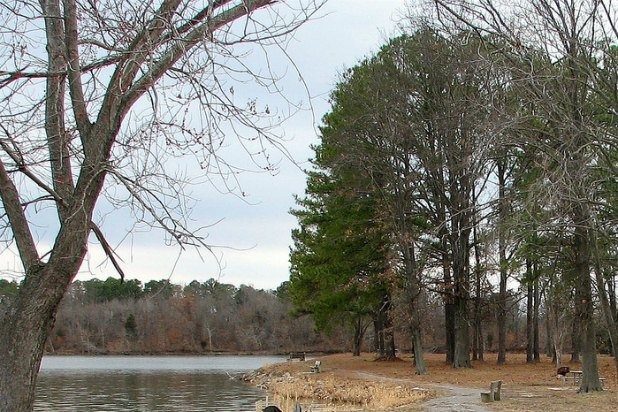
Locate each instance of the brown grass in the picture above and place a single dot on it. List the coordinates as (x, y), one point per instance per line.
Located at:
(366, 384)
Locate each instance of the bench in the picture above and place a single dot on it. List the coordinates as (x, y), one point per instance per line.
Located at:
(494, 392)
(317, 368)
(296, 356)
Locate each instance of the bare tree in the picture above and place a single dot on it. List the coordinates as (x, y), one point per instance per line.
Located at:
(562, 42)
(118, 88)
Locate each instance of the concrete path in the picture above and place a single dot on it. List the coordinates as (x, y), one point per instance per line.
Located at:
(455, 399)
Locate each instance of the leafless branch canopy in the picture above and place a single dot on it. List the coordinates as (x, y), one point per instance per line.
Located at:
(91, 89)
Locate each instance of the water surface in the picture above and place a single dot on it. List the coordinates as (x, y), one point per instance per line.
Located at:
(147, 383)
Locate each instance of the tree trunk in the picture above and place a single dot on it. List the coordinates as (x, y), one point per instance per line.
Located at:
(461, 356)
(529, 313)
(24, 333)
(26, 326)
(584, 305)
(378, 327)
(390, 351)
(575, 340)
(611, 320)
(388, 336)
(449, 309)
(358, 337)
(477, 334)
(611, 291)
(558, 353)
(501, 330)
(449, 319)
(419, 360)
(537, 304)
(502, 317)
(503, 261)
(413, 293)
(477, 341)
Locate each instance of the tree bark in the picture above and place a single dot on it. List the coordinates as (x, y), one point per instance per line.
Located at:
(419, 360)
(503, 261)
(529, 313)
(449, 308)
(26, 327)
(611, 291)
(22, 340)
(413, 293)
(378, 342)
(477, 341)
(460, 243)
(549, 348)
(575, 340)
(584, 305)
(537, 304)
(358, 336)
(461, 357)
(611, 320)
(388, 337)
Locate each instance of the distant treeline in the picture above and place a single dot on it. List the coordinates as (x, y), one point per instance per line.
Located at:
(114, 317)
(111, 316)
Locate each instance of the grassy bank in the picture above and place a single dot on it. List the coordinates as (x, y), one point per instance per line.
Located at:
(362, 383)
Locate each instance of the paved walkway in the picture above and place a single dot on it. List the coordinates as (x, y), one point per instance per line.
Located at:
(456, 399)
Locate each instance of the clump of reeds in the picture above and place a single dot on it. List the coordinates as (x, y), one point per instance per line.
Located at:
(329, 390)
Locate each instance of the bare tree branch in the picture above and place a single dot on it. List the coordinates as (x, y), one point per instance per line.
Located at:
(74, 71)
(55, 104)
(19, 223)
(109, 251)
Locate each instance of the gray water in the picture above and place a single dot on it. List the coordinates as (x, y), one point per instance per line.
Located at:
(147, 383)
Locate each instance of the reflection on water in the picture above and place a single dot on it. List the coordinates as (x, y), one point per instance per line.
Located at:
(146, 384)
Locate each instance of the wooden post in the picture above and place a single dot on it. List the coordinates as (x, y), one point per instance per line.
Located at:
(494, 390)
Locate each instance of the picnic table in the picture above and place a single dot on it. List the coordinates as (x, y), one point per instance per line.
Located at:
(296, 356)
(576, 377)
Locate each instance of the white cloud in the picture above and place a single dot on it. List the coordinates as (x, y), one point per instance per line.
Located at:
(263, 267)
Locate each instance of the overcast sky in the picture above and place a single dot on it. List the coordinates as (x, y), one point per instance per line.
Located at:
(254, 232)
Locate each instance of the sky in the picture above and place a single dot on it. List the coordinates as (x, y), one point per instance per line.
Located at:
(252, 235)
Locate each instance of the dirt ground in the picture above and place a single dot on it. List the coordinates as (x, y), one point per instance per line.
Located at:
(364, 383)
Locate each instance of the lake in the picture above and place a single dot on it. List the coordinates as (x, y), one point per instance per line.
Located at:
(147, 383)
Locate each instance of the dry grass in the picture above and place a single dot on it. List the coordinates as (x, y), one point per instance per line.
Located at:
(366, 384)
(353, 393)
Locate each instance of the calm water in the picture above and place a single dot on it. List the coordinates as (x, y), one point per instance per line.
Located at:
(147, 383)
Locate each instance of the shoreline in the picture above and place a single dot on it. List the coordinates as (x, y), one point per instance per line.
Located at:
(214, 353)
(364, 383)
(335, 387)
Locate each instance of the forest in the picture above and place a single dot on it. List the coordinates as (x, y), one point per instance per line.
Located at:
(115, 317)
(469, 168)
(159, 317)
